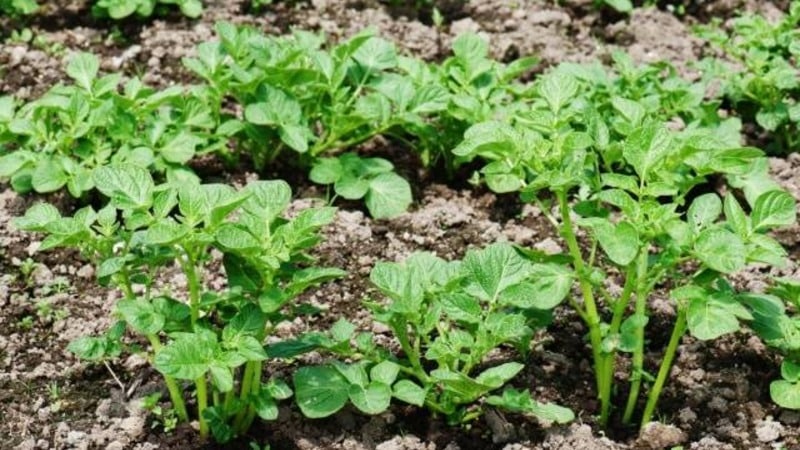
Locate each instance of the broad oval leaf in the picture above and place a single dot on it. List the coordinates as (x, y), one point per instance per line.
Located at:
(320, 391)
(371, 399)
(773, 209)
(721, 250)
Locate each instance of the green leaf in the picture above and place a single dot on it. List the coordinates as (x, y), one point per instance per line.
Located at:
(295, 136)
(720, 250)
(326, 171)
(550, 286)
(773, 209)
(265, 405)
(409, 392)
(186, 358)
(704, 211)
(385, 372)
(48, 176)
(619, 241)
(496, 377)
(785, 393)
(647, 147)
(623, 6)
(558, 90)
(389, 195)
(376, 54)
(141, 316)
(128, 188)
(236, 237)
(493, 269)
(521, 401)
(790, 371)
(222, 377)
(320, 391)
(709, 319)
(371, 399)
(735, 216)
(37, 217)
(268, 199)
(11, 163)
(83, 68)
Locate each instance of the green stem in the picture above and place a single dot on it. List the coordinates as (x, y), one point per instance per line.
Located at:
(592, 317)
(401, 332)
(202, 404)
(244, 392)
(616, 322)
(194, 285)
(251, 410)
(666, 365)
(638, 353)
(172, 385)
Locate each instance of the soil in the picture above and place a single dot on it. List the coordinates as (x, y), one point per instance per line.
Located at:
(717, 397)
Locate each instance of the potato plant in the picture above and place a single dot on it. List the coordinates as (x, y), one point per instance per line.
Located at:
(447, 317)
(59, 139)
(16, 8)
(765, 89)
(636, 200)
(210, 338)
(120, 9)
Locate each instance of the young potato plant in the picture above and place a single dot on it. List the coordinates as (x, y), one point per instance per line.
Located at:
(120, 9)
(450, 319)
(386, 193)
(298, 95)
(479, 89)
(636, 199)
(627, 93)
(18, 7)
(766, 90)
(61, 138)
(777, 323)
(211, 338)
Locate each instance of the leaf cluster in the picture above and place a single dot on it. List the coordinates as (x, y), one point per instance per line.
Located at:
(210, 336)
(448, 317)
(59, 139)
(763, 85)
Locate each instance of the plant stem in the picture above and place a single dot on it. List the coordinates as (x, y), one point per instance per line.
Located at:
(638, 353)
(247, 380)
(666, 365)
(202, 404)
(616, 321)
(175, 394)
(251, 410)
(193, 283)
(592, 319)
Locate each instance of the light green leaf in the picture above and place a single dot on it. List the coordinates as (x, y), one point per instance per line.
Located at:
(326, 171)
(128, 188)
(376, 54)
(773, 209)
(409, 392)
(704, 211)
(389, 195)
(385, 372)
(371, 399)
(785, 393)
(496, 377)
(735, 216)
(141, 315)
(720, 250)
(320, 391)
(494, 268)
(83, 68)
(709, 319)
(558, 90)
(185, 358)
(48, 176)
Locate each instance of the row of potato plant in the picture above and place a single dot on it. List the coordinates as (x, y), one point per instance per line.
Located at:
(114, 9)
(630, 185)
(452, 313)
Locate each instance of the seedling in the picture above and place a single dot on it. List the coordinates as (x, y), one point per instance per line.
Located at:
(766, 91)
(447, 318)
(386, 193)
(634, 197)
(210, 338)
